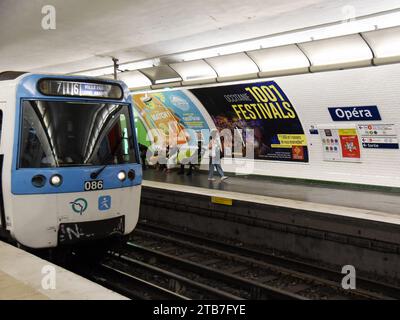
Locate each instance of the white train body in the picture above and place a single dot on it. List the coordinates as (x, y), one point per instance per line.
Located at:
(48, 196)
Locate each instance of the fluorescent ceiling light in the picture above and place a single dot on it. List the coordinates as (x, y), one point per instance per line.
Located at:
(135, 79)
(233, 65)
(161, 74)
(385, 44)
(358, 25)
(198, 54)
(285, 59)
(194, 70)
(386, 21)
(341, 29)
(239, 47)
(161, 81)
(336, 30)
(318, 33)
(335, 53)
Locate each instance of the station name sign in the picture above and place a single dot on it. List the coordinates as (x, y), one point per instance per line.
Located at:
(58, 87)
(359, 113)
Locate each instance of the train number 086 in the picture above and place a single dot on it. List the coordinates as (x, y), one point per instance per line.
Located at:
(93, 185)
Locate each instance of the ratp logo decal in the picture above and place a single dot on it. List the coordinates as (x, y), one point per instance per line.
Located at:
(104, 203)
(79, 205)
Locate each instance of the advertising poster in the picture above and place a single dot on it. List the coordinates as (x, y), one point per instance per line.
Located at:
(168, 111)
(140, 131)
(378, 136)
(349, 143)
(263, 107)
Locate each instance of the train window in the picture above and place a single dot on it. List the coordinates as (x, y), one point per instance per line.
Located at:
(64, 134)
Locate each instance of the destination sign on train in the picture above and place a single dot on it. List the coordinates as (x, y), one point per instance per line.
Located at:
(54, 87)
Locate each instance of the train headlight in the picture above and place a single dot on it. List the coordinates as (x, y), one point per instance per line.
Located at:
(39, 180)
(56, 180)
(121, 175)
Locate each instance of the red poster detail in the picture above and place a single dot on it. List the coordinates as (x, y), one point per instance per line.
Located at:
(297, 153)
(350, 146)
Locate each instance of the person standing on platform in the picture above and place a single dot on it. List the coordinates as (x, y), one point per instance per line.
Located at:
(215, 148)
(187, 157)
(143, 153)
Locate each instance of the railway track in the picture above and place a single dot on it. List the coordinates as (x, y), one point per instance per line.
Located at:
(167, 264)
(244, 273)
(211, 283)
(131, 286)
(176, 285)
(378, 289)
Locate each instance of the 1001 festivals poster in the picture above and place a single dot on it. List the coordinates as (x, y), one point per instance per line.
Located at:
(263, 107)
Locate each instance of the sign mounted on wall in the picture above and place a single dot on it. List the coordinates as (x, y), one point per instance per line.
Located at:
(361, 113)
(349, 144)
(378, 136)
(340, 144)
(330, 144)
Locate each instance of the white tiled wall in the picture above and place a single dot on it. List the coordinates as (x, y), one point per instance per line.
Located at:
(312, 94)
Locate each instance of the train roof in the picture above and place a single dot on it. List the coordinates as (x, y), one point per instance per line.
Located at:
(10, 75)
(13, 75)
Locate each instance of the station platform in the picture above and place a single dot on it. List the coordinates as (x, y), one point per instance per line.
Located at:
(22, 274)
(371, 203)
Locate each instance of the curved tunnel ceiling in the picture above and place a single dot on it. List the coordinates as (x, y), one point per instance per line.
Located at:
(89, 32)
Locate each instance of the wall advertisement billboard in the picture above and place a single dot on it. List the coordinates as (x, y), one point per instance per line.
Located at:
(262, 107)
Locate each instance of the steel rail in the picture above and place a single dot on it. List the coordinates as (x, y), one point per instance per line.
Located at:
(366, 287)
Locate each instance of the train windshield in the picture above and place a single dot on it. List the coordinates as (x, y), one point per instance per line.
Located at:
(65, 134)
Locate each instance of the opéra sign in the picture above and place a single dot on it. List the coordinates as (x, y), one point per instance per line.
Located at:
(361, 113)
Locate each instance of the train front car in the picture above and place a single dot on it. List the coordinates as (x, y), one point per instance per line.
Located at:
(71, 172)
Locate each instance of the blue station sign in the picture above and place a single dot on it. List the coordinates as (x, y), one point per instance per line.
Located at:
(359, 113)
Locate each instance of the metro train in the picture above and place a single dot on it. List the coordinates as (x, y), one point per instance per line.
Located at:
(69, 160)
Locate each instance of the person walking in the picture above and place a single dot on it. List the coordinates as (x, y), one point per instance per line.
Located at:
(143, 153)
(185, 156)
(215, 148)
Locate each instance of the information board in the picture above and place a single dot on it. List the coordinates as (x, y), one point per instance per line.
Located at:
(340, 144)
(378, 136)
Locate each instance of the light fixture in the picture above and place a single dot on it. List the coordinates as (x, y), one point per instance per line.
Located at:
(135, 79)
(56, 180)
(232, 66)
(280, 60)
(121, 175)
(385, 44)
(194, 71)
(161, 74)
(158, 70)
(198, 54)
(161, 81)
(337, 53)
(385, 21)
